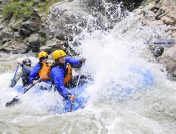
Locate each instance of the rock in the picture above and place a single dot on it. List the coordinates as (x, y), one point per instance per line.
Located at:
(16, 25)
(159, 14)
(13, 47)
(168, 59)
(156, 50)
(33, 43)
(25, 32)
(16, 35)
(61, 37)
(65, 19)
(48, 49)
(53, 45)
(70, 18)
(4, 1)
(7, 33)
(30, 26)
(168, 20)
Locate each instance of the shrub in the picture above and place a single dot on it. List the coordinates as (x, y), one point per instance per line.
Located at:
(17, 9)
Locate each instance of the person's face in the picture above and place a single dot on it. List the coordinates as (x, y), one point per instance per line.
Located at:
(61, 60)
(44, 59)
(29, 65)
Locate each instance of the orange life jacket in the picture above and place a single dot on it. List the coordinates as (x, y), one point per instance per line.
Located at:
(44, 72)
(68, 76)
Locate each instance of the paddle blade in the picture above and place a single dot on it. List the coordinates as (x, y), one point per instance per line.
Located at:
(13, 102)
(13, 83)
(79, 103)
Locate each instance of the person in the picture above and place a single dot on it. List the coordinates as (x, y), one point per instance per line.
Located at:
(41, 70)
(61, 72)
(24, 74)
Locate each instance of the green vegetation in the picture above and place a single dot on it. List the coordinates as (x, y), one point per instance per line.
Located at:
(19, 9)
(46, 5)
(42, 39)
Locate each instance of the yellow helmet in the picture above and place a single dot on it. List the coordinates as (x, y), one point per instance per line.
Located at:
(42, 54)
(58, 53)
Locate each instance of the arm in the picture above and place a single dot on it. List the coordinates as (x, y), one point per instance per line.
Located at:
(34, 72)
(27, 69)
(57, 76)
(76, 63)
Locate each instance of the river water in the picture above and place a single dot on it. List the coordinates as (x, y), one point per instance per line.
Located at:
(151, 109)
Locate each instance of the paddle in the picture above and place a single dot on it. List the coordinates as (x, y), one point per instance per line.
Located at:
(13, 82)
(15, 100)
(72, 102)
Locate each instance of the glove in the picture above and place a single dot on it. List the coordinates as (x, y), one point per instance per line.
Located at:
(13, 83)
(35, 82)
(82, 60)
(72, 98)
(19, 63)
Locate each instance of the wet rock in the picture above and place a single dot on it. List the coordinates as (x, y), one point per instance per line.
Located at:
(30, 26)
(7, 33)
(48, 49)
(67, 18)
(53, 45)
(16, 35)
(168, 59)
(16, 25)
(24, 32)
(33, 43)
(157, 51)
(4, 1)
(13, 47)
(168, 20)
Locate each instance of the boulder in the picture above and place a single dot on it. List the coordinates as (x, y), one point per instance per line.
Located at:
(53, 45)
(7, 33)
(168, 59)
(33, 43)
(16, 25)
(168, 20)
(13, 47)
(67, 18)
(30, 26)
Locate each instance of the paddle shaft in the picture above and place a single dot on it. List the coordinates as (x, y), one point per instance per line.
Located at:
(15, 72)
(13, 100)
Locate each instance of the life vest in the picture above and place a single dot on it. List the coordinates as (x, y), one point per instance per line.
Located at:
(44, 73)
(68, 76)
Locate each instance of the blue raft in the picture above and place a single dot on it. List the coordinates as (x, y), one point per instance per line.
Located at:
(69, 106)
(81, 99)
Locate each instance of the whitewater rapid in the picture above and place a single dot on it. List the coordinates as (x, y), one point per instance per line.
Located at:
(110, 55)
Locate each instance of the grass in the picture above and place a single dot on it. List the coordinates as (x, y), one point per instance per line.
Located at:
(46, 5)
(42, 39)
(19, 9)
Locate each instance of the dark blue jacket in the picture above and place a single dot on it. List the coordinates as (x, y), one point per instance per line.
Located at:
(58, 72)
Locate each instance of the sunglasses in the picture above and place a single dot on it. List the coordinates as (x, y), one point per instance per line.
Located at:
(44, 58)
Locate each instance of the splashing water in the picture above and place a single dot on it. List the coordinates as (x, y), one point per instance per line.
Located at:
(112, 57)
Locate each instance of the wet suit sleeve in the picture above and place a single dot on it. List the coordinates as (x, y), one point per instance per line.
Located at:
(34, 72)
(27, 69)
(76, 63)
(57, 76)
